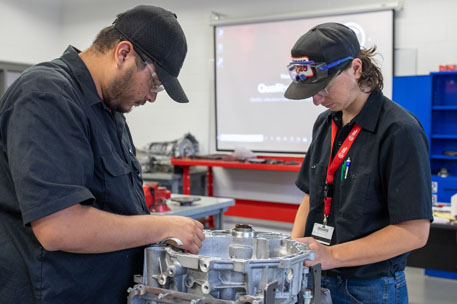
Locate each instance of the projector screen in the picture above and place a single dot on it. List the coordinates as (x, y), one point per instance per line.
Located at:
(251, 78)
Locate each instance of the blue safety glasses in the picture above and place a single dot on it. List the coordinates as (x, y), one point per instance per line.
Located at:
(302, 70)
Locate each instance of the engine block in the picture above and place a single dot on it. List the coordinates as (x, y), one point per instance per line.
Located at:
(233, 266)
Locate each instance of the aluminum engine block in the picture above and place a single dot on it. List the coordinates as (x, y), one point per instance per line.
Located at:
(233, 266)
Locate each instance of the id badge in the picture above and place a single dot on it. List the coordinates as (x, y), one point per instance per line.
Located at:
(322, 234)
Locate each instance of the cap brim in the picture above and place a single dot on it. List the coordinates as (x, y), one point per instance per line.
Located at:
(300, 90)
(172, 85)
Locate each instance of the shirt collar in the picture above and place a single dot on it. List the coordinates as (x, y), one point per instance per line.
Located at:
(81, 74)
(369, 115)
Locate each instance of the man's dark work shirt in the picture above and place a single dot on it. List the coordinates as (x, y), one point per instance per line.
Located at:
(388, 181)
(60, 146)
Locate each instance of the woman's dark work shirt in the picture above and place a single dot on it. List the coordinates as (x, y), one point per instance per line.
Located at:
(388, 181)
(61, 146)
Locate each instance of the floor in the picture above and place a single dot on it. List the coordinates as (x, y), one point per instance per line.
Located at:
(422, 289)
(429, 290)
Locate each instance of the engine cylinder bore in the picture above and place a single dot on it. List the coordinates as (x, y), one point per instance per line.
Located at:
(239, 251)
(243, 231)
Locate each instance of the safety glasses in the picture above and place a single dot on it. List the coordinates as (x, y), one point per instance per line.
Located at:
(302, 70)
(326, 91)
(156, 84)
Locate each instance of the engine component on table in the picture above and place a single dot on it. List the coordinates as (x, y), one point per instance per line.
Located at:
(234, 266)
(182, 147)
(155, 156)
(156, 197)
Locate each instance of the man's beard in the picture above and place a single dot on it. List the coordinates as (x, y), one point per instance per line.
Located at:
(118, 91)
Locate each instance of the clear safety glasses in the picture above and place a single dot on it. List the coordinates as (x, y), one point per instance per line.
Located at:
(325, 91)
(156, 84)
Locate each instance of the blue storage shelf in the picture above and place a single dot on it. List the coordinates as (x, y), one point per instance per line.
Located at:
(441, 274)
(444, 73)
(443, 136)
(445, 157)
(444, 122)
(433, 100)
(445, 186)
(441, 108)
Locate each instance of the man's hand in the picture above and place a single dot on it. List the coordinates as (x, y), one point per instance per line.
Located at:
(188, 230)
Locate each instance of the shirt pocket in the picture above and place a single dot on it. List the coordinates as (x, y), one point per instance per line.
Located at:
(114, 165)
(116, 177)
(353, 195)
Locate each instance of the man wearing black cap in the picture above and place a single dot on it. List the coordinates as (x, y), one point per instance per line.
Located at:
(366, 175)
(73, 218)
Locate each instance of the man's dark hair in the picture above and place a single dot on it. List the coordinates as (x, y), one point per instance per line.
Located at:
(107, 39)
(371, 79)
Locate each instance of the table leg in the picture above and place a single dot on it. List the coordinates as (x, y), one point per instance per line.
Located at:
(218, 220)
(186, 180)
(209, 181)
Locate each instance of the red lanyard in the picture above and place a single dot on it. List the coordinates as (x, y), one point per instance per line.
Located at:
(335, 163)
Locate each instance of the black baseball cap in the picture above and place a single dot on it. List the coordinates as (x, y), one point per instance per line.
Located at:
(329, 44)
(156, 33)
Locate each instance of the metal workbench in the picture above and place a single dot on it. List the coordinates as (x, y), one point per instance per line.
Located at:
(206, 206)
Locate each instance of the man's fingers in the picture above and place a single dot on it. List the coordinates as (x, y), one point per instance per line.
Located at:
(191, 233)
(197, 242)
(201, 235)
(194, 249)
(200, 225)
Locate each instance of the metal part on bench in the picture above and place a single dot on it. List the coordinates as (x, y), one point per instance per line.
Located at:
(233, 266)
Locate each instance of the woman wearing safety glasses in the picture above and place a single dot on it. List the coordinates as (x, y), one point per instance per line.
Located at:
(366, 175)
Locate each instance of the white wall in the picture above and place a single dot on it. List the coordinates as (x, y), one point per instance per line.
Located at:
(38, 30)
(29, 30)
(429, 28)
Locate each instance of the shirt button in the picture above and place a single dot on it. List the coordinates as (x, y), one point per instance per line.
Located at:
(130, 150)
